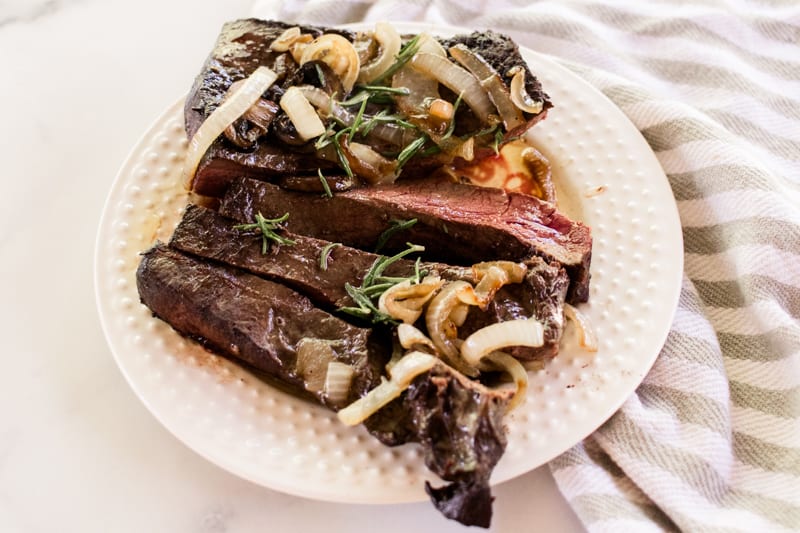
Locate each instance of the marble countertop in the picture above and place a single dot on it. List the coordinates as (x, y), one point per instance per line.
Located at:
(78, 450)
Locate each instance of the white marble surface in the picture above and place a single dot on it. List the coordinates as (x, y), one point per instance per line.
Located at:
(78, 451)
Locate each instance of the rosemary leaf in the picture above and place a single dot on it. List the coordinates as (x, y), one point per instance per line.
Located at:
(325, 255)
(345, 164)
(375, 284)
(395, 226)
(452, 125)
(266, 227)
(320, 75)
(406, 53)
(409, 151)
(325, 185)
(357, 121)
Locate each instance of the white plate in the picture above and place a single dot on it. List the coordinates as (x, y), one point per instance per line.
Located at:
(271, 438)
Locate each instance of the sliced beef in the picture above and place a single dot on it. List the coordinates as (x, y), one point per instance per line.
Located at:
(249, 319)
(242, 46)
(207, 234)
(457, 422)
(457, 223)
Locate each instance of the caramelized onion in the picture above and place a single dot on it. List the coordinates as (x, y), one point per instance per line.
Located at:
(402, 374)
(457, 80)
(299, 110)
(587, 336)
(368, 164)
(389, 41)
(441, 328)
(313, 357)
(411, 337)
(505, 363)
(492, 82)
(338, 53)
(338, 378)
(522, 332)
(285, 40)
(222, 117)
(515, 271)
(326, 106)
(520, 96)
(405, 301)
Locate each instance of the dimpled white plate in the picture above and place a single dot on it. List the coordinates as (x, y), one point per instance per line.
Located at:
(264, 435)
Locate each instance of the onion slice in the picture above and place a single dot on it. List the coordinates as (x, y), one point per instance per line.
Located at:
(285, 40)
(337, 382)
(520, 96)
(522, 332)
(441, 326)
(338, 53)
(302, 114)
(327, 106)
(587, 338)
(411, 337)
(402, 374)
(389, 41)
(492, 82)
(505, 363)
(457, 80)
(222, 117)
(404, 301)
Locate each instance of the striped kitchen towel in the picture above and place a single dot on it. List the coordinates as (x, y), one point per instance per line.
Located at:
(711, 439)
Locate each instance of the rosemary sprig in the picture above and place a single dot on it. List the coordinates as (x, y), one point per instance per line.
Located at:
(325, 185)
(375, 284)
(320, 75)
(359, 117)
(452, 126)
(343, 162)
(267, 227)
(383, 116)
(395, 226)
(371, 92)
(406, 53)
(325, 255)
(498, 138)
(410, 151)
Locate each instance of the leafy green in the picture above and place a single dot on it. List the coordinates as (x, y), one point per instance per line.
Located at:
(325, 255)
(325, 185)
(375, 284)
(266, 227)
(395, 226)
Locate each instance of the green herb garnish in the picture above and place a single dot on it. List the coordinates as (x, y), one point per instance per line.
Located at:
(320, 74)
(373, 92)
(325, 255)
(357, 121)
(395, 226)
(267, 227)
(410, 151)
(325, 185)
(498, 138)
(452, 125)
(375, 284)
(343, 162)
(406, 53)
